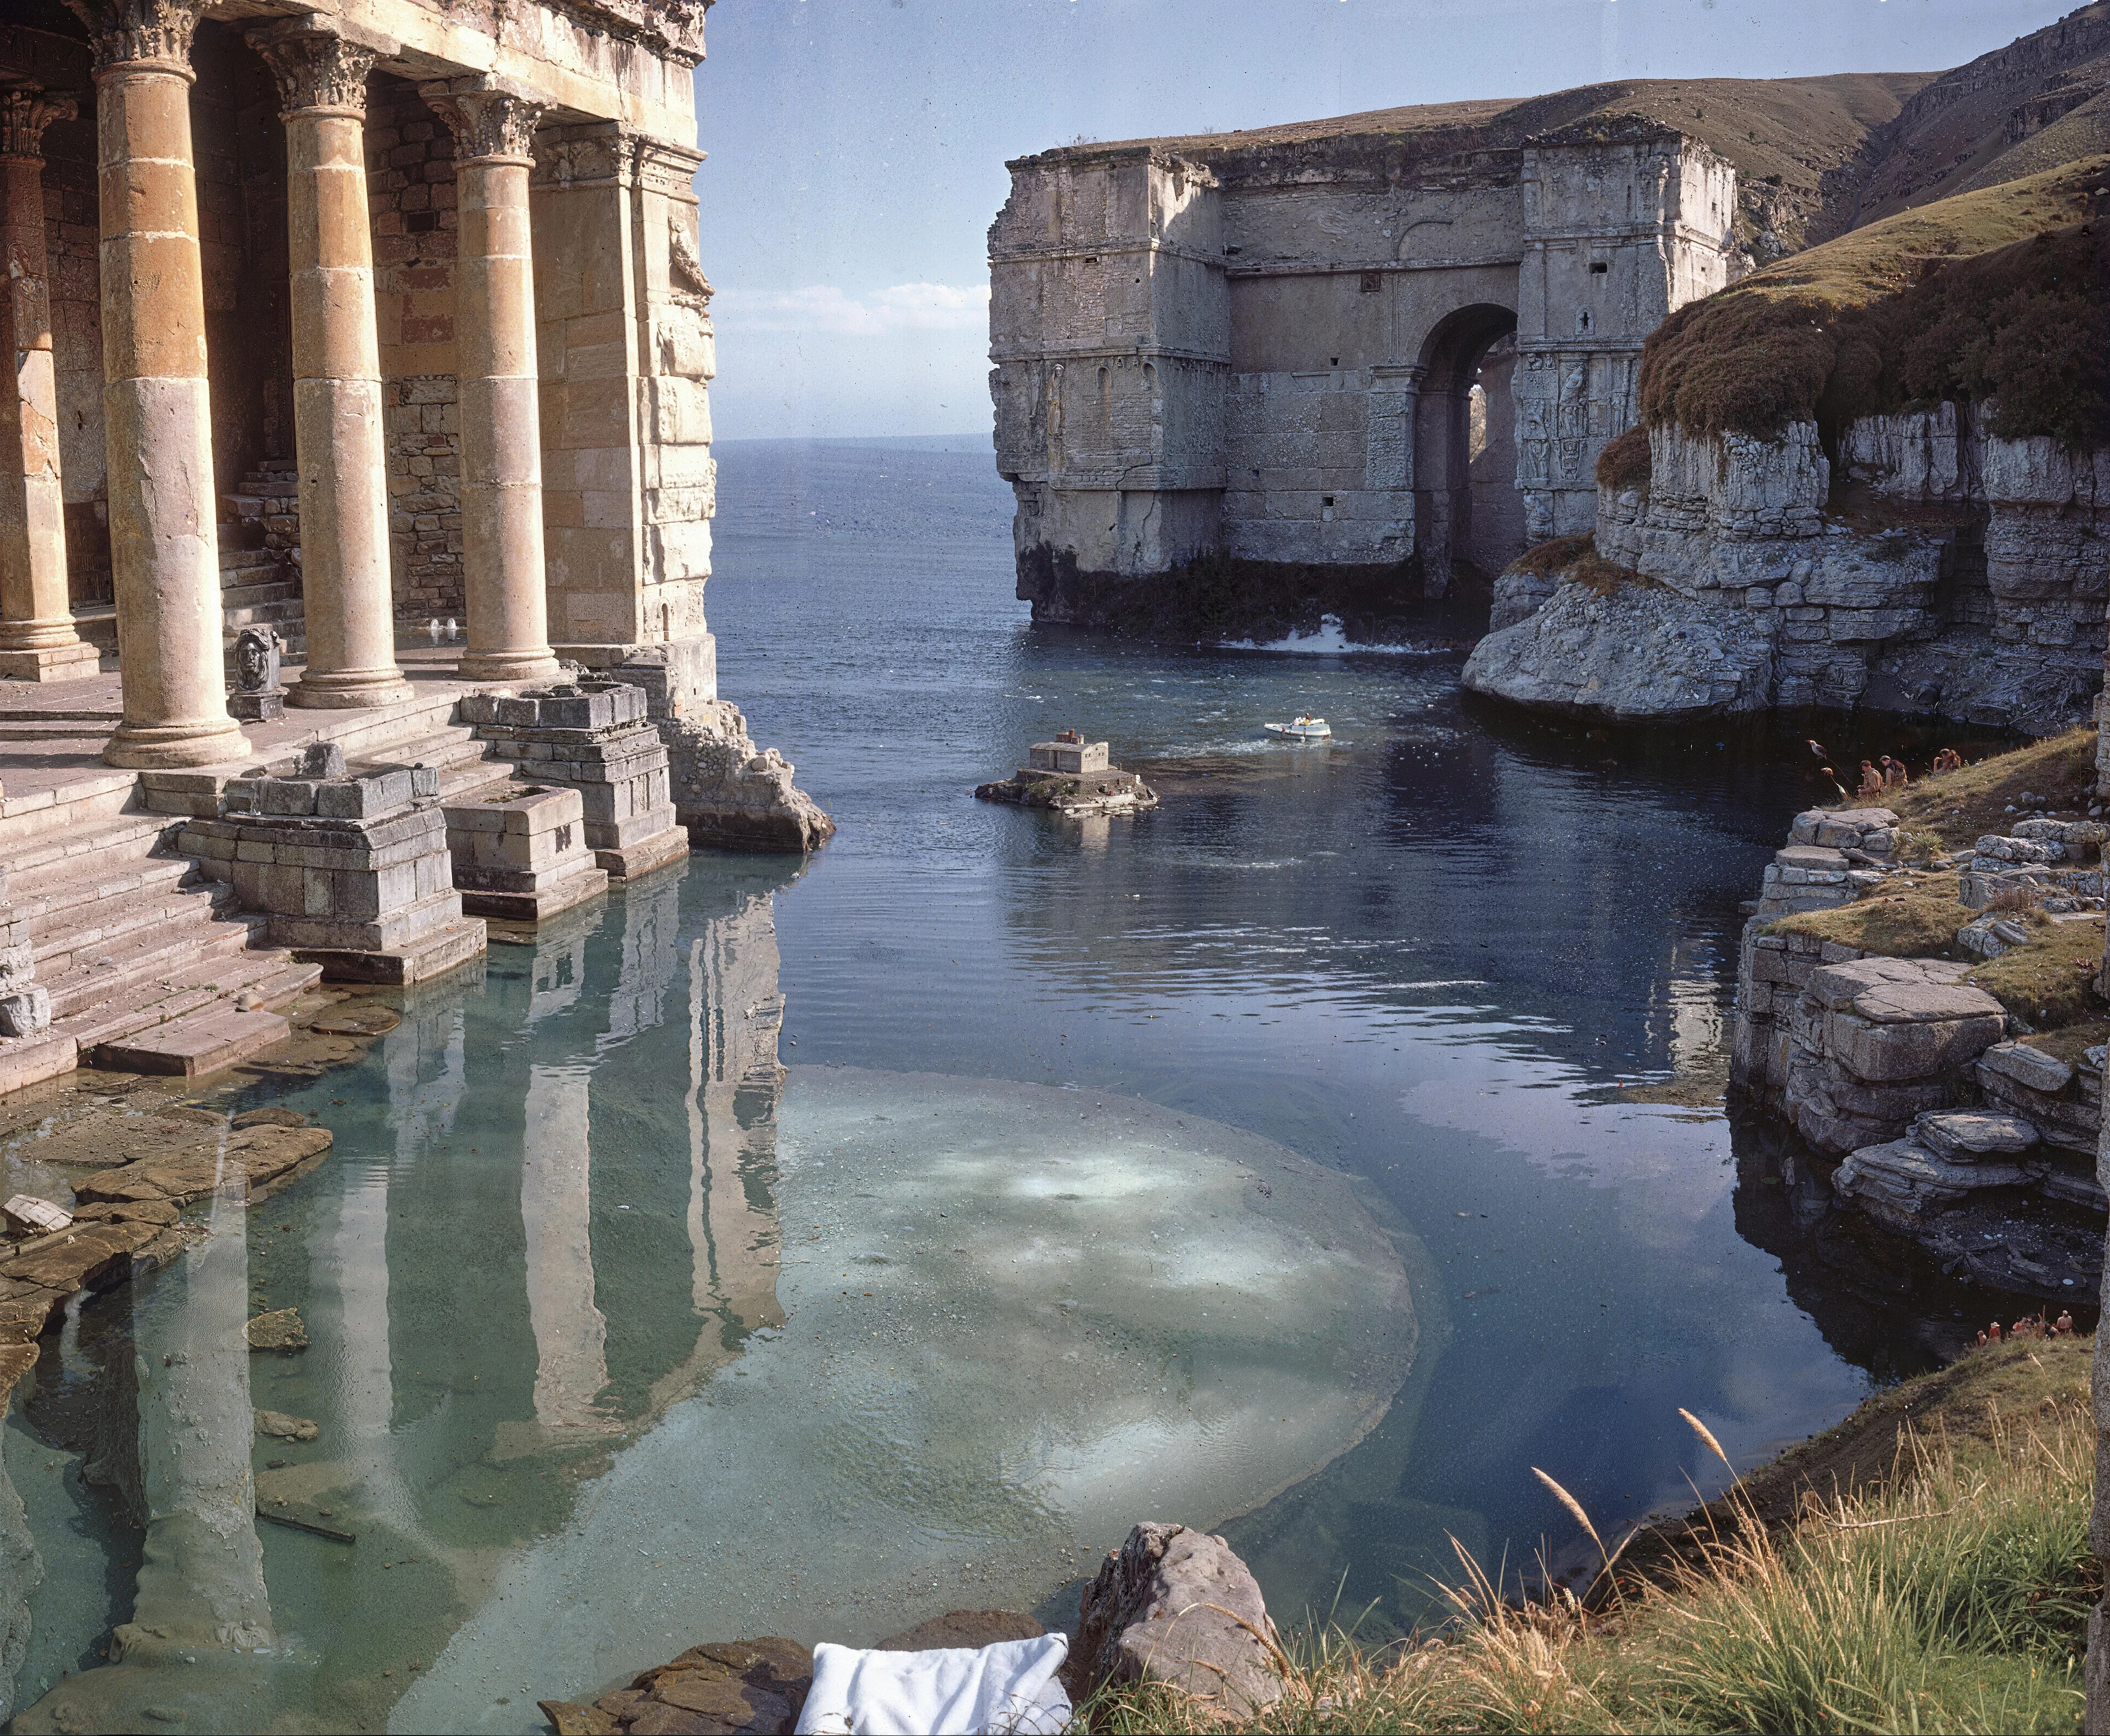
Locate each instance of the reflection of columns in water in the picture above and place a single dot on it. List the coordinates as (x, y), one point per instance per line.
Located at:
(571, 1337)
(203, 1580)
(735, 1012)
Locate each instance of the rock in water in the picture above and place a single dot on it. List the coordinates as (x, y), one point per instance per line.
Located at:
(1643, 651)
(1177, 1607)
(280, 1426)
(279, 1330)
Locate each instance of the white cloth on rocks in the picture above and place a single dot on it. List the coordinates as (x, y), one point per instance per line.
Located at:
(1009, 1689)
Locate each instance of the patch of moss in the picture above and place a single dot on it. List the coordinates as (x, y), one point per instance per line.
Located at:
(1959, 806)
(2000, 293)
(1625, 462)
(2049, 980)
(1915, 916)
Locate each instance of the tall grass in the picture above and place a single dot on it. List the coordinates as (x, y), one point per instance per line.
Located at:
(1953, 1597)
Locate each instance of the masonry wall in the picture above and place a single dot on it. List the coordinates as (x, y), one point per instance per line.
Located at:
(1363, 293)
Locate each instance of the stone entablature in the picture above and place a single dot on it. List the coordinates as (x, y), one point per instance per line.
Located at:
(1272, 353)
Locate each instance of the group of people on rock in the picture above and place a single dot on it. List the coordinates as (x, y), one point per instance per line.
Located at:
(1888, 772)
(2031, 1327)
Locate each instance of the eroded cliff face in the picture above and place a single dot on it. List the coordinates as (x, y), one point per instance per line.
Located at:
(1942, 571)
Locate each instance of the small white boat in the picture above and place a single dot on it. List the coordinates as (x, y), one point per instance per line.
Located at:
(1302, 729)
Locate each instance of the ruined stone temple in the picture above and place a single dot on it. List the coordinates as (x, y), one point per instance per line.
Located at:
(355, 494)
(1388, 347)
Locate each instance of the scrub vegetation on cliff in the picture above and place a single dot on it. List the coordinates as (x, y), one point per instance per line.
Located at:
(2002, 294)
(2057, 775)
(1924, 1566)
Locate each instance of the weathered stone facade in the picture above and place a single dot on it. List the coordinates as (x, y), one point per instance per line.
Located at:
(1376, 354)
(430, 338)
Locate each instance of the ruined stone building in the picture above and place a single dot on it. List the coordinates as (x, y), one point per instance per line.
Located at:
(1389, 347)
(337, 321)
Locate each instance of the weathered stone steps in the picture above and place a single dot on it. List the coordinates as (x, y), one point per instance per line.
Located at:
(139, 964)
(94, 851)
(79, 931)
(270, 978)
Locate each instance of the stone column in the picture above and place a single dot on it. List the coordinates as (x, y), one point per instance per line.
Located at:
(501, 450)
(163, 545)
(37, 638)
(337, 372)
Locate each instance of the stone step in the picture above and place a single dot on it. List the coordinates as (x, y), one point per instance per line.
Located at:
(136, 963)
(92, 928)
(266, 978)
(204, 1041)
(258, 595)
(260, 614)
(237, 565)
(95, 851)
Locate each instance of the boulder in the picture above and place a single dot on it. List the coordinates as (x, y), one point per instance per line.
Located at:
(749, 1685)
(281, 1329)
(278, 1426)
(1176, 1606)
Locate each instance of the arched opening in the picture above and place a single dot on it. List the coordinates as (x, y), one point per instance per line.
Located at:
(1469, 517)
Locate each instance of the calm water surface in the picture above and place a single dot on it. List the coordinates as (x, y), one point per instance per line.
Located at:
(620, 1341)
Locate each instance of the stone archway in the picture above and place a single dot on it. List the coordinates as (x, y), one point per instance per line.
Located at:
(1469, 520)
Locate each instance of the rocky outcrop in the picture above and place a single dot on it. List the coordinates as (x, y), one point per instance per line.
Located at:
(1958, 573)
(1640, 652)
(733, 795)
(1177, 1607)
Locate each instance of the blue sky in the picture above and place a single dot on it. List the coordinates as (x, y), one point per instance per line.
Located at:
(857, 147)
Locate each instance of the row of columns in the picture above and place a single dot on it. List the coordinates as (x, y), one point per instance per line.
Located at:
(165, 556)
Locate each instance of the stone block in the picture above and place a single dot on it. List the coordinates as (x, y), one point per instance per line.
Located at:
(2028, 1066)
(26, 1011)
(1881, 1052)
(1964, 1136)
(291, 796)
(1833, 987)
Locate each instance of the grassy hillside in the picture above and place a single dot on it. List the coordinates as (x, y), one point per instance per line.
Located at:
(2001, 293)
(2001, 116)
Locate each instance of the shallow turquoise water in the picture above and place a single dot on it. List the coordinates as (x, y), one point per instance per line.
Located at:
(550, 1270)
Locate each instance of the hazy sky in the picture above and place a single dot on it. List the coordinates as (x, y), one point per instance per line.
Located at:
(857, 147)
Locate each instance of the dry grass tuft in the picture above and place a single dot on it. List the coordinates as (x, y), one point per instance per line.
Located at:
(1542, 560)
(1625, 462)
(1947, 1589)
(1913, 916)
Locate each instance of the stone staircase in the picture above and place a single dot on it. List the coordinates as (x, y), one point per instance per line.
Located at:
(149, 966)
(260, 539)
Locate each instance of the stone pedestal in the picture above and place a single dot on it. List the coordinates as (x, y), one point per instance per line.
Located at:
(352, 872)
(257, 695)
(501, 452)
(164, 544)
(37, 638)
(337, 418)
(521, 855)
(595, 738)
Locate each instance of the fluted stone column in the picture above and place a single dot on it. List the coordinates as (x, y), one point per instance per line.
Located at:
(501, 448)
(342, 462)
(164, 546)
(37, 638)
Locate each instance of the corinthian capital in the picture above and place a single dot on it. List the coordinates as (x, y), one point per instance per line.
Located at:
(488, 125)
(25, 112)
(156, 31)
(315, 68)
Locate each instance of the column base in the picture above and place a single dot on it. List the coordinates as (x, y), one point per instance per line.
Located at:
(508, 666)
(348, 689)
(51, 663)
(163, 746)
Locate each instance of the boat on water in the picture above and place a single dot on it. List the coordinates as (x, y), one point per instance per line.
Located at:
(1306, 728)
